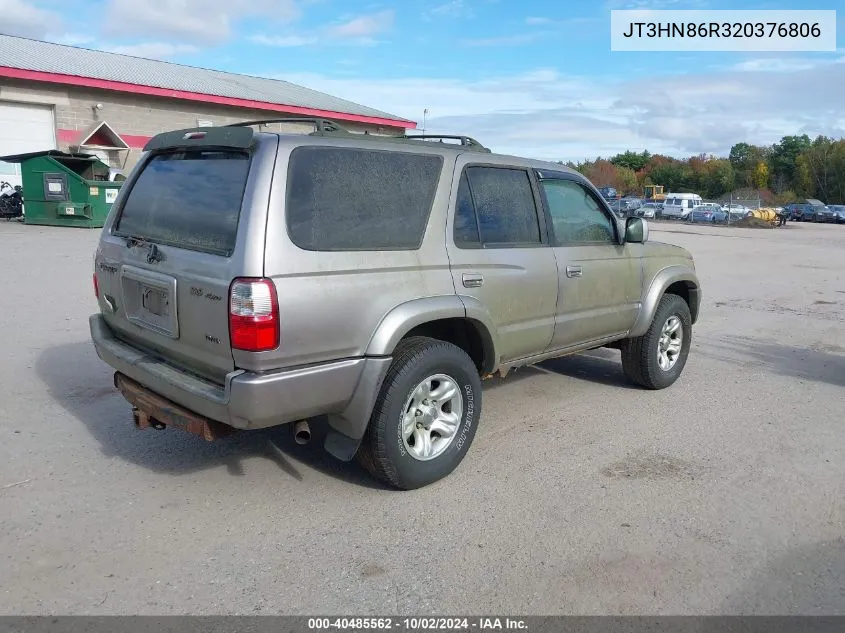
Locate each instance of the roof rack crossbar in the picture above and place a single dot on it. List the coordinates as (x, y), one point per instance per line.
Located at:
(466, 141)
(320, 125)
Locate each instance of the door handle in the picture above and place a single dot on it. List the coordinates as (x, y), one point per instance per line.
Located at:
(573, 271)
(472, 281)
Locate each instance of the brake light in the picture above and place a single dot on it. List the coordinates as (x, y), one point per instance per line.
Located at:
(96, 286)
(253, 315)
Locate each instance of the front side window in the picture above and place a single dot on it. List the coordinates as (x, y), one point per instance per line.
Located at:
(577, 217)
(346, 199)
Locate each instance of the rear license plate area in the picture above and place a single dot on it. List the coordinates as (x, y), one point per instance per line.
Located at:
(149, 299)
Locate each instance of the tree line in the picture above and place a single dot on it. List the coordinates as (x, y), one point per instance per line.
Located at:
(794, 168)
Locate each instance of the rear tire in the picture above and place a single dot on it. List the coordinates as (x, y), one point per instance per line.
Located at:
(426, 414)
(656, 359)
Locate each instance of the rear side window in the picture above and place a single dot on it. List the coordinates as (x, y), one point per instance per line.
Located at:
(504, 203)
(188, 199)
(343, 199)
(466, 225)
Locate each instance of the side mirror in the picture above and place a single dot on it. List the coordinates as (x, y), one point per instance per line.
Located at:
(636, 230)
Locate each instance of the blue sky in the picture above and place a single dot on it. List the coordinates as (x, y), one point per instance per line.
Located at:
(535, 78)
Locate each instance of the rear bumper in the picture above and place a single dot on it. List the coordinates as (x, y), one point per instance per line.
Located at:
(345, 389)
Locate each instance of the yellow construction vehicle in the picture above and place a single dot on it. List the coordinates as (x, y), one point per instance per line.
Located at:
(766, 214)
(654, 193)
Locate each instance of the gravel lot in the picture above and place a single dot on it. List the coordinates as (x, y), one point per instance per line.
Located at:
(722, 494)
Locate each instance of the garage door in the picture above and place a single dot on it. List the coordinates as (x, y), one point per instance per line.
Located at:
(24, 128)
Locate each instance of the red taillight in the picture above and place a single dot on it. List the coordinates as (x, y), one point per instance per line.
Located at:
(253, 315)
(96, 287)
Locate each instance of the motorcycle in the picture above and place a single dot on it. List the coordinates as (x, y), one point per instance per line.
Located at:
(11, 201)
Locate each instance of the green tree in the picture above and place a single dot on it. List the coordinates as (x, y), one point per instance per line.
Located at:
(717, 178)
(784, 155)
(803, 178)
(627, 179)
(631, 160)
(760, 175)
(820, 170)
(740, 155)
(671, 175)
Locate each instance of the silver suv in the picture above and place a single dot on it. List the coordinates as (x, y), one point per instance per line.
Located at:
(248, 279)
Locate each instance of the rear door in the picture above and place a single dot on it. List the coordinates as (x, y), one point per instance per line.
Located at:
(170, 252)
(500, 255)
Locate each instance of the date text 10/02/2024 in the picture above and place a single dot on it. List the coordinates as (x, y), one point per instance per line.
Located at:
(418, 624)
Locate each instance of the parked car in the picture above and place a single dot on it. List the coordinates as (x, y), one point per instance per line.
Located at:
(649, 210)
(679, 205)
(736, 211)
(247, 279)
(823, 214)
(803, 211)
(708, 212)
(838, 212)
(626, 207)
(608, 193)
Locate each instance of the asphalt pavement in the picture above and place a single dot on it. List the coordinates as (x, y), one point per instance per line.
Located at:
(580, 495)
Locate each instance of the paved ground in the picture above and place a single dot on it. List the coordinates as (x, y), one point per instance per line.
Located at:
(723, 494)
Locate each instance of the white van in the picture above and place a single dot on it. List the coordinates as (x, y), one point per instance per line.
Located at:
(679, 205)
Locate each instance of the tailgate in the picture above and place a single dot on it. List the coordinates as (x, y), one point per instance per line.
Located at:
(165, 263)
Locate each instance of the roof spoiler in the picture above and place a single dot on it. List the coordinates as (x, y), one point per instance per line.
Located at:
(230, 137)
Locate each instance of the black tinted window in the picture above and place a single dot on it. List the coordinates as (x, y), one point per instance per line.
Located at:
(576, 215)
(354, 199)
(505, 205)
(188, 199)
(466, 227)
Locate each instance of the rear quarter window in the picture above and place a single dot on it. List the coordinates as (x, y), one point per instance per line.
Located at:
(189, 199)
(349, 199)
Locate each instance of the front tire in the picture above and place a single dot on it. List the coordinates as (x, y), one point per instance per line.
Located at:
(656, 359)
(426, 414)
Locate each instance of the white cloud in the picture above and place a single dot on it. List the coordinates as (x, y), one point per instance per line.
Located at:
(74, 39)
(364, 26)
(22, 19)
(151, 50)
(283, 41)
(654, 5)
(548, 22)
(359, 31)
(451, 9)
(206, 22)
(505, 40)
(547, 115)
(783, 64)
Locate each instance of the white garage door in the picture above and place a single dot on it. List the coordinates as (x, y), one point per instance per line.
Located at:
(24, 128)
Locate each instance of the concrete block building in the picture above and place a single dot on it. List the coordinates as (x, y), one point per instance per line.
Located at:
(74, 99)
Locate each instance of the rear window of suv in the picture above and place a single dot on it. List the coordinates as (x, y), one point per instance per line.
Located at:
(346, 199)
(188, 199)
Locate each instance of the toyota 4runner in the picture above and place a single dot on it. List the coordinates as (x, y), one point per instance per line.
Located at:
(247, 279)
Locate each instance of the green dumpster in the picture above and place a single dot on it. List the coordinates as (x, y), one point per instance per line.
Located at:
(61, 189)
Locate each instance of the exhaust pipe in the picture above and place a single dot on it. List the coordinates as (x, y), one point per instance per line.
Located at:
(302, 432)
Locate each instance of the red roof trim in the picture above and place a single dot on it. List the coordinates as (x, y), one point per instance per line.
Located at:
(72, 137)
(120, 86)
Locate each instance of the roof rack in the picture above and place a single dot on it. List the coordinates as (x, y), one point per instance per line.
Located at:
(327, 127)
(466, 141)
(321, 126)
